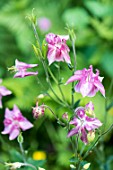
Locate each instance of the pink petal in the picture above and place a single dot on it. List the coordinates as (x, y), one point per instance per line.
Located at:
(84, 136)
(66, 57)
(4, 91)
(21, 65)
(86, 88)
(24, 125)
(7, 129)
(74, 131)
(77, 76)
(100, 87)
(14, 134)
(8, 113)
(0, 101)
(24, 74)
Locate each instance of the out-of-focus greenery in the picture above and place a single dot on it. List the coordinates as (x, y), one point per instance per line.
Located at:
(92, 21)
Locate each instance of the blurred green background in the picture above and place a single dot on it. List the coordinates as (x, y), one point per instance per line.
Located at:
(92, 21)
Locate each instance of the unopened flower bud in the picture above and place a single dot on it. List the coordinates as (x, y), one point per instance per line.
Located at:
(89, 109)
(91, 136)
(40, 96)
(38, 111)
(86, 166)
(40, 168)
(65, 116)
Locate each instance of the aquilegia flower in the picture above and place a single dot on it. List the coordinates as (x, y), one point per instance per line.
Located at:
(21, 69)
(57, 48)
(3, 92)
(38, 110)
(84, 124)
(44, 23)
(88, 82)
(14, 121)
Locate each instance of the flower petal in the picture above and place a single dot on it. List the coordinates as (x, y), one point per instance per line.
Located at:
(74, 131)
(100, 87)
(24, 125)
(14, 133)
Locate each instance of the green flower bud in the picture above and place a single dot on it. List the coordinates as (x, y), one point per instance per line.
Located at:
(20, 138)
(91, 136)
(44, 48)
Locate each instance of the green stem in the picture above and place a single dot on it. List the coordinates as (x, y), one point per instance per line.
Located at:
(74, 54)
(61, 123)
(22, 151)
(95, 143)
(30, 165)
(48, 81)
(56, 81)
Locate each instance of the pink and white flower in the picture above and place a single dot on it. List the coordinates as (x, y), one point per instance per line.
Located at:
(57, 48)
(21, 69)
(38, 111)
(88, 82)
(14, 121)
(3, 92)
(83, 124)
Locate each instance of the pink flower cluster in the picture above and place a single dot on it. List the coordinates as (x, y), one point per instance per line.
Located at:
(83, 123)
(88, 82)
(57, 48)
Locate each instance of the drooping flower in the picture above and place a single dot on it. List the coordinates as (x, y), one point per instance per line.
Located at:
(83, 124)
(57, 48)
(21, 69)
(14, 121)
(44, 23)
(3, 92)
(38, 111)
(88, 82)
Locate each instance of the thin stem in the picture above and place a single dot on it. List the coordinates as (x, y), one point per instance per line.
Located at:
(56, 81)
(22, 151)
(35, 33)
(74, 54)
(48, 80)
(30, 165)
(95, 143)
(61, 123)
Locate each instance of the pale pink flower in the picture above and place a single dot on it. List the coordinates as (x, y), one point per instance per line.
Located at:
(44, 24)
(14, 121)
(3, 92)
(83, 124)
(21, 69)
(38, 111)
(57, 48)
(88, 82)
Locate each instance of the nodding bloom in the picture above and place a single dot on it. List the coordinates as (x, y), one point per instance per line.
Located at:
(44, 24)
(3, 92)
(57, 48)
(83, 124)
(21, 69)
(38, 111)
(88, 82)
(14, 121)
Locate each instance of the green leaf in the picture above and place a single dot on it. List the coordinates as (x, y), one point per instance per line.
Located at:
(74, 160)
(98, 9)
(107, 63)
(76, 17)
